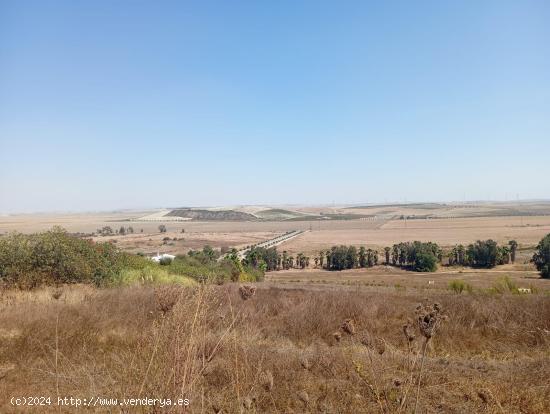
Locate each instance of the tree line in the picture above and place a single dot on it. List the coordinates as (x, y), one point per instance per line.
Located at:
(416, 256)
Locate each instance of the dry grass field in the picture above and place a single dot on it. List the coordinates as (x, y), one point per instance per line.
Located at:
(280, 351)
(391, 278)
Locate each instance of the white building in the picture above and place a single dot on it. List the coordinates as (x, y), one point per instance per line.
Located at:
(160, 257)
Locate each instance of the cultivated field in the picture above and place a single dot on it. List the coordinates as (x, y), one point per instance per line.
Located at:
(446, 232)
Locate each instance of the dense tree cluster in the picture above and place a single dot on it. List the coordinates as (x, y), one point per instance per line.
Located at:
(342, 257)
(347, 257)
(418, 256)
(541, 258)
(483, 253)
(262, 258)
(487, 254)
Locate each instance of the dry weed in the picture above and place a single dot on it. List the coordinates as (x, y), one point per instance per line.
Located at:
(247, 291)
(491, 357)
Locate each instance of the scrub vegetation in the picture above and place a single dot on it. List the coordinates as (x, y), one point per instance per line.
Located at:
(279, 350)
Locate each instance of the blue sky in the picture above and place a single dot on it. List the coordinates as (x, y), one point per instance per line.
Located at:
(123, 104)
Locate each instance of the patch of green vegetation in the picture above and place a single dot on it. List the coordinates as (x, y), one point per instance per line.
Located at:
(279, 214)
(504, 285)
(428, 206)
(458, 286)
(151, 275)
(56, 257)
(214, 215)
(331, 216)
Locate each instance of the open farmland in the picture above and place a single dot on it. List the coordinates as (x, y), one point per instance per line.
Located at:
(446, 232)
(319, 234)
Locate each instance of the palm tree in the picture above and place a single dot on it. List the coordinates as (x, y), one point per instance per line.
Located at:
(370, 258)
(387, 250)
(395, 254)
(505, 255)
(513, 247)
(461, 255)
(362, 257)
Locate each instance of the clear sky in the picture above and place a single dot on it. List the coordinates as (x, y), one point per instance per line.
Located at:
(123, 104)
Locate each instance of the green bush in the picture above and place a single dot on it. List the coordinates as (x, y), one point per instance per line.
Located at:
(425, 262)
(459, 286)
(505, 285)
(54, 257)
(196, 267)
(150, 275)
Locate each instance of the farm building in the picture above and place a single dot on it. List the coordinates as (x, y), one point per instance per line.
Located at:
(164, 256)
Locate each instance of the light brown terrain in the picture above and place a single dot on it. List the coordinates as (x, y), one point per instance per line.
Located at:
(320, 234)
(279, 351)
(394, 279)
(527, 231)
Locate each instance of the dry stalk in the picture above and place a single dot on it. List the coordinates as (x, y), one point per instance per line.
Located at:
(369, 344)
(429, 318)
(56, 355)
(190, 342)
(145, 377)
(233, 319)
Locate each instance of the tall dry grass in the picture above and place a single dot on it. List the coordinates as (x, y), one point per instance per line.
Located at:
(275, 350)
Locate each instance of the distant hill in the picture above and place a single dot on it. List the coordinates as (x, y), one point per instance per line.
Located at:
(428, 206)
(214, 215)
